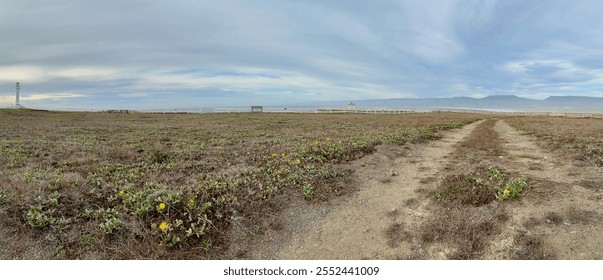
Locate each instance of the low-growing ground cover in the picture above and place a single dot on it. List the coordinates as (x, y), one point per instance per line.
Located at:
(99, 185)
(580, 138)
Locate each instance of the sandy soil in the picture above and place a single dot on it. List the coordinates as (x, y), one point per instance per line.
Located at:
(563, 209)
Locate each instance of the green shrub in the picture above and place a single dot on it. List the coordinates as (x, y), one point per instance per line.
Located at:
(513, 189)
(111, 224)
(38, 218)
(308, 192)
(481, 187)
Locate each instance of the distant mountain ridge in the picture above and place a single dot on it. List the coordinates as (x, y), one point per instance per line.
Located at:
(503, 103)
(492, 102)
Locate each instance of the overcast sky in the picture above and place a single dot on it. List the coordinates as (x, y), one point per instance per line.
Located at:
(163, 54)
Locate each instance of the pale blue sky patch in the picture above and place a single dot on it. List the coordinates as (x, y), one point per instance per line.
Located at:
(589, 87)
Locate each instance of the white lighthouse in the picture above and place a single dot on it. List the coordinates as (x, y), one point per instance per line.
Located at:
(17, 96)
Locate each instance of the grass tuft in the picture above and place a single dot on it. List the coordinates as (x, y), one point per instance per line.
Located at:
(481, 187)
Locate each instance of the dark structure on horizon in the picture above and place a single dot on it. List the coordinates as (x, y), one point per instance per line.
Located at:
(257, 109)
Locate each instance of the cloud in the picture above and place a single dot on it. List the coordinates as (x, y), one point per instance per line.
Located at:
(52, 96)
(552, 71)
(10, 100)
(134, 94)
(7, 100)
(24, 73)
(161, 53)
(40, 74)
(530, 66)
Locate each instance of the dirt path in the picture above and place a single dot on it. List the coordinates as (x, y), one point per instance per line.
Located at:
(390, 182)
(564, 208)
(560, 217)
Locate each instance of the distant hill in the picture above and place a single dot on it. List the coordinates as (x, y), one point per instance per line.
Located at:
(493, 102)
(504, 103)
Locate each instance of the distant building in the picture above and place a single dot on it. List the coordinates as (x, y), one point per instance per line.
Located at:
(257, 109)
(351, 106)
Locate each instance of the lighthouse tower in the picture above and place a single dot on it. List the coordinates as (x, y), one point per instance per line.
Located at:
(17, 96)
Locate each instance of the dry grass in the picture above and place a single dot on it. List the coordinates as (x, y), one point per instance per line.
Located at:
(553, 218)
(466, 190)
(582, 216)
(65, 175)
(466, 230)
(395, 234)
(591, 185)
(581, 139)
(482, 143)
(531, 248)
(536, 167)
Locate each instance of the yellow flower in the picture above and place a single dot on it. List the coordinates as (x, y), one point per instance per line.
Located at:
(297, 161)
(121, 192)
(315, 142)
(273, 155)
(507, 191)
(283, 155)
(161, 206)
(328, 139)
(163, 226)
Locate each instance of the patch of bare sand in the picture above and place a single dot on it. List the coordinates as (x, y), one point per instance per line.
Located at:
(371, 223)
(563, 209)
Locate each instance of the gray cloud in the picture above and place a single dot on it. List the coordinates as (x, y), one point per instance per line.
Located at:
(141, 53)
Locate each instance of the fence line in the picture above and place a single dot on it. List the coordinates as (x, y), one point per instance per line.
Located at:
(549, 114)
(374, 111)
(380, 111)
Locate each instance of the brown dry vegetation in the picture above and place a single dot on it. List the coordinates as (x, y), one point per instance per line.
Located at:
(482, 144)
(105, 186)
(579, 139)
